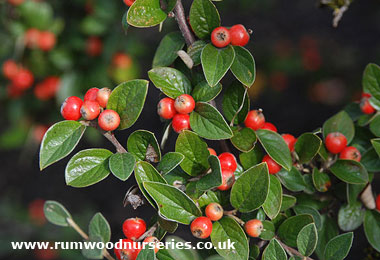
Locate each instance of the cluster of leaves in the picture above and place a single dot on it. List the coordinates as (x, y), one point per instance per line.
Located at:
(296, 206)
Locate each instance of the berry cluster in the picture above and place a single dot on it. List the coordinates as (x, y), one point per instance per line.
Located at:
(365, 106)
(178, 110)
(20, 77)
(336, 143)
(93, 106)
(43, 40)
(236, 35)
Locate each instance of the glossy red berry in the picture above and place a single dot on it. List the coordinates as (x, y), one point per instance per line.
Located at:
(128, 2)
(201, 227)
(32, 37)
(290, 140)
(184, 104)
(255, 119)
(23, 79)
(335, 142)
(166, 109)
(273, 167)
(378, 202)
(181, 122)
(102, 97)
(10, 69)
(94, 46)
(350, 153)
(126, 249)
(214, 211)
(133, 228)
(220, 37)
(228, 179)
(70, 109)
(211, 151)
(269, 126)
(121, 60)
(109, 120)
(228, 161)
(46, 41)
(152, 241)
(91, 94)
(366, 107)
(90, 110)
(366, 95)
(253, 227)
(239, 35)
(47, 89)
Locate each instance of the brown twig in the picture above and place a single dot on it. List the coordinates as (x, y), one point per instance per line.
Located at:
(230, 212)
(148, 233)
(179, 13)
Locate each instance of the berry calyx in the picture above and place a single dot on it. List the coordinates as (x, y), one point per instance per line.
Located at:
(366, 107)
(201, 227)
(91, 94)
(335, 142)
(94, 46)
(350, 153)
(133, 228)
(90, 110)
(269, 126)
(109, 120)
(23, 79)
(165, 108)
(214, 211)
(102, 96)
(181, 122)
(273, 167)
(129, 2)
(46, 41)
(255, 119)
(125, 250)
(378, 202)
(211, 151)
(239, 35)
(184, 104)
(10, 69)
(152, 241)
(228, 161)
(220, 37)
(70, 109)
(253, 227)
(290, 140)
(228, 179)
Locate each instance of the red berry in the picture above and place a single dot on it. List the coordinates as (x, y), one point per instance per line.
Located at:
(39, 132)
(94, 46)
(46, 40)
(70, 109)
(109, 120)
(128, 2)
(32, 37)
(228, 179)
(228, 161)
(181, 122)
(46, 254)
(335, 142)
(36, 212)
(290, 141)
(220, 37)
(366, 107)
(366, 95)
(273, 167)
(253, 227)
(15, 2)
(10, 69)
(378, 202)
(121, 60)
(90, 110)
(126, 249)
(153, 241)
(214, 211)
(133, 228)
(184, 104)
(14, 92)
(269, 126)
(47, 88)
(255, 119)
(239, 35)
(23, 79)
(350, 153)
(201, 227)
(91, 94)
(211, 151)
(102, 96)
(165, 108)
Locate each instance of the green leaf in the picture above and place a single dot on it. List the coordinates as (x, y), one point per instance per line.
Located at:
(288, 201)
(228, 229)
(171, 82)
(289, 229)
(272, 204)
(303, 209)
(166, 52)
(202, 92)
(169, 161)
(213, 196)
(328, 231)
(307, 146)
(341, 123)
(195, 151)
(244, 67)
(167, 225)
(232, 101)
(163, 254)
(252, 157)
(146, 254)
(208, 123)
(274, 251)
(269, 230)
(276, 147)
(376, 145)
(371, 84)
(251, 190)
(144, 146)
(321, 180)
(216, 62)
(145, 13)
(370, 160)
(99, 227)
(56, 213)
(173, 204)
(122, 165)
(292, 180)
(350, 216)
(128, 99)
(212, 179)
(353, 191)
(350, 171)
(307, 239)
(59, 141)
(375, 125)
(372, 228)
(204, 18)
(244, 139)
(195, 50)
(338, 247)
(87, 167)
(179, 252)
(93, 253)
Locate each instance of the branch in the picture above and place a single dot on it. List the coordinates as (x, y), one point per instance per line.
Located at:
(179, 13)
(148, 233)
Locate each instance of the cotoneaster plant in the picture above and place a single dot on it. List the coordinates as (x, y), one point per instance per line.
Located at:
(274, 196)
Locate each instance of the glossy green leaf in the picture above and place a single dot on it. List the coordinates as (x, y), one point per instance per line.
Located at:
(93, 253)
(307, 146)
(180, 252)
(338, 247)
(292, 180)
(212, 179)
(252, 157)
(145, 13)
(169, 226)
(122, 165)
(341, 123)
(244, 67)
(370, 161)
(56, 213)
(195, 51)
(99, 227)
(307, 239)
(146, 254)
(144, 146)
(269, 230)
(169, 161)
(321, 180)
(350, 171)
(303, 209)
(272, 204)
(374, 126)
(289, 229)
(213, 196)
(244, 139)
(376, 145)
(232, 100)
(328, 231)
(350, 216)
(204, 18)
(353, 191)
(372, 228)
(166, 52)
(371, 84)
(274, 251)
(288, 201)
(202, 92)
